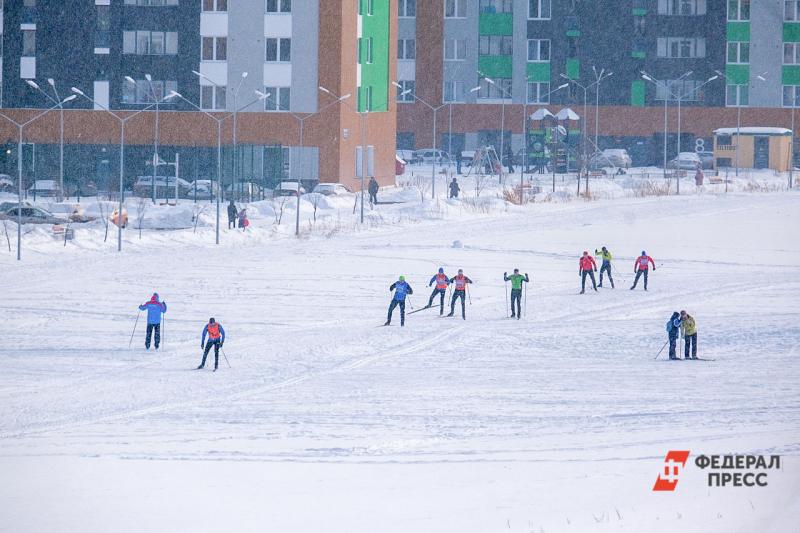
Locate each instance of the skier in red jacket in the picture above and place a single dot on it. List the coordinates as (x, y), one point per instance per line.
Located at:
(587, 267)
(641, 266)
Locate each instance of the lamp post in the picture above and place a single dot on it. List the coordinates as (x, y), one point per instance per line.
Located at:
(598, 79)
(506, 95)
(525, 135)
(791, 145)
(666, 101)
(219, 121)
(59, 103)
(122, 122)
(301, 119)
(435, 110)
(739, 106)
(679, 98)
(21, 126)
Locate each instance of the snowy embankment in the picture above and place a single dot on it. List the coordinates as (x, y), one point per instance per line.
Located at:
(558, 422)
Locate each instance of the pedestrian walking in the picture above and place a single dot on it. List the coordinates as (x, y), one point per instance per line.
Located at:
(401, 290)
(605, 255)
(516, 280)
(689, 330)
(155, 308)
(587, 267)
(244, 222)
(673, 329)
(698, 177)
(458, 162)
(641, 267)
(509, 159)
(442, 281)
(460, 288)
(216, 338)
(454, 189)
(372, 188)
(232, 215)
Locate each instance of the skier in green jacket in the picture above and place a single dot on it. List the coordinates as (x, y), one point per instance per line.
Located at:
(605, 255)
(516, 280)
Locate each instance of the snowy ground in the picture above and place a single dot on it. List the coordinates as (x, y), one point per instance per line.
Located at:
(559, 422)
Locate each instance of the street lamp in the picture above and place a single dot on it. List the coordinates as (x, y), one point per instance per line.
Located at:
(666, 100)
(598, 78)
(739, 106)
(585, 88)
(21, 126)
(219, 122)
(679, 98)
(59, 103)
(525, 133)
(122, 122)
(435, 155)
(506, 95)
(301, 121)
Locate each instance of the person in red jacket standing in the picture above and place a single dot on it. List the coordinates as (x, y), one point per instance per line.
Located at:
(641, 266)
(587, 267)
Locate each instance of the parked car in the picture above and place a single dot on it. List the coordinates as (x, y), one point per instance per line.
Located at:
(426, 156)
(31, 215)
(73, 212)
(706, 159)
(203, 190)
(331, 189)
(6, 183)
(617, 157)
(44, 188)
(685, 161)
(407, 156)
(288, 188)
(165, 187)
(244, 190)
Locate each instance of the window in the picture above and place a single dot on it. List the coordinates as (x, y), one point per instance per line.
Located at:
(681, 47)
(737, 96)
(496, 6)
(406, 49)
(212, 97)
(681, 7)
(279, 6)
(791, 93)
(278, 49)
(141, 92)
(791, 10)
(28, 43)
(538, 49)
(538, 92)
(279, 99)
(370, 7)
(151, 2)
(501, 88)
(453, 91)
(29, 3)
(103, 18)
(406, 85)
(738, 9)
(455, 8)
(368, 97)
(738, 52)
(215, 48)
(143, 42)
(407, 8)
(686, 90)
(215, 5)
(538, 9)
(369, 54)
(791, 53)
(455, 49)
(495, 45)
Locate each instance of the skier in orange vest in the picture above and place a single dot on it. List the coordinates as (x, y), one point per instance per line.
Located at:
(460, 282)
(641, 267)
(216, 337)
(587, 267)
(442, 281)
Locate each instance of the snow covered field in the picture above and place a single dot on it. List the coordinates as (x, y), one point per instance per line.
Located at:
(558, 422)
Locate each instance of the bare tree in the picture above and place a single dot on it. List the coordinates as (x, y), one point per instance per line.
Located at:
(281, 205)
(199, 209)
(141, 208)
(316, 198)
(5, 227)
(104, 217)
(481, 181)
(423, 185)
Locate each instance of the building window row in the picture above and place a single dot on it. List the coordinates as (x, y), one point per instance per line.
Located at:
(454, 91)
(791, 10)
(154, 3)
(145, 92)
(738, 10)
(215, 5)
(791, 53)
(365, 50)
(455, 49)
(406, 49)
(144, 42)
(681, 7)
(538, 92)
(681, 47)
(213, 97)
(455, 8)
(406, 85)
(279, 99)
(215, 49)
(737, 95)
(495, 45)
(538, 49)
(738, 52)
(278, 50)
(279, 6)
(407, 8)
(496, 6)
(539, 9)
(28, 43)
(791, 96)
(501, 88)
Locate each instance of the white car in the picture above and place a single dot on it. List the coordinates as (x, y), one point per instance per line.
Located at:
(686, 161)
(427, 156)
(331, 189)
(44, 188)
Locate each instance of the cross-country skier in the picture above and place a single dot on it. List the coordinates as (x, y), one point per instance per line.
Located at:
(155, 309)
(673, 328)
(689, 327)
(401, 290)
(605, 255)
(640, 267)
(459, 291)
(516, 280)
(216, 338)
(442, 281)
(587, 267)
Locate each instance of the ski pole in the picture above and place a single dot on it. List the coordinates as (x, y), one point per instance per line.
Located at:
(662, 349)
(525, 303)
(163, 322)
(469, 296)
(226, 357)
(506, 286)
(410, 304)
(134, 328)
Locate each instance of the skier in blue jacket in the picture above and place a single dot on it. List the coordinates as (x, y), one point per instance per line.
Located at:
(155, 309)
(401, 290)
(216, 338)
(673, 329)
